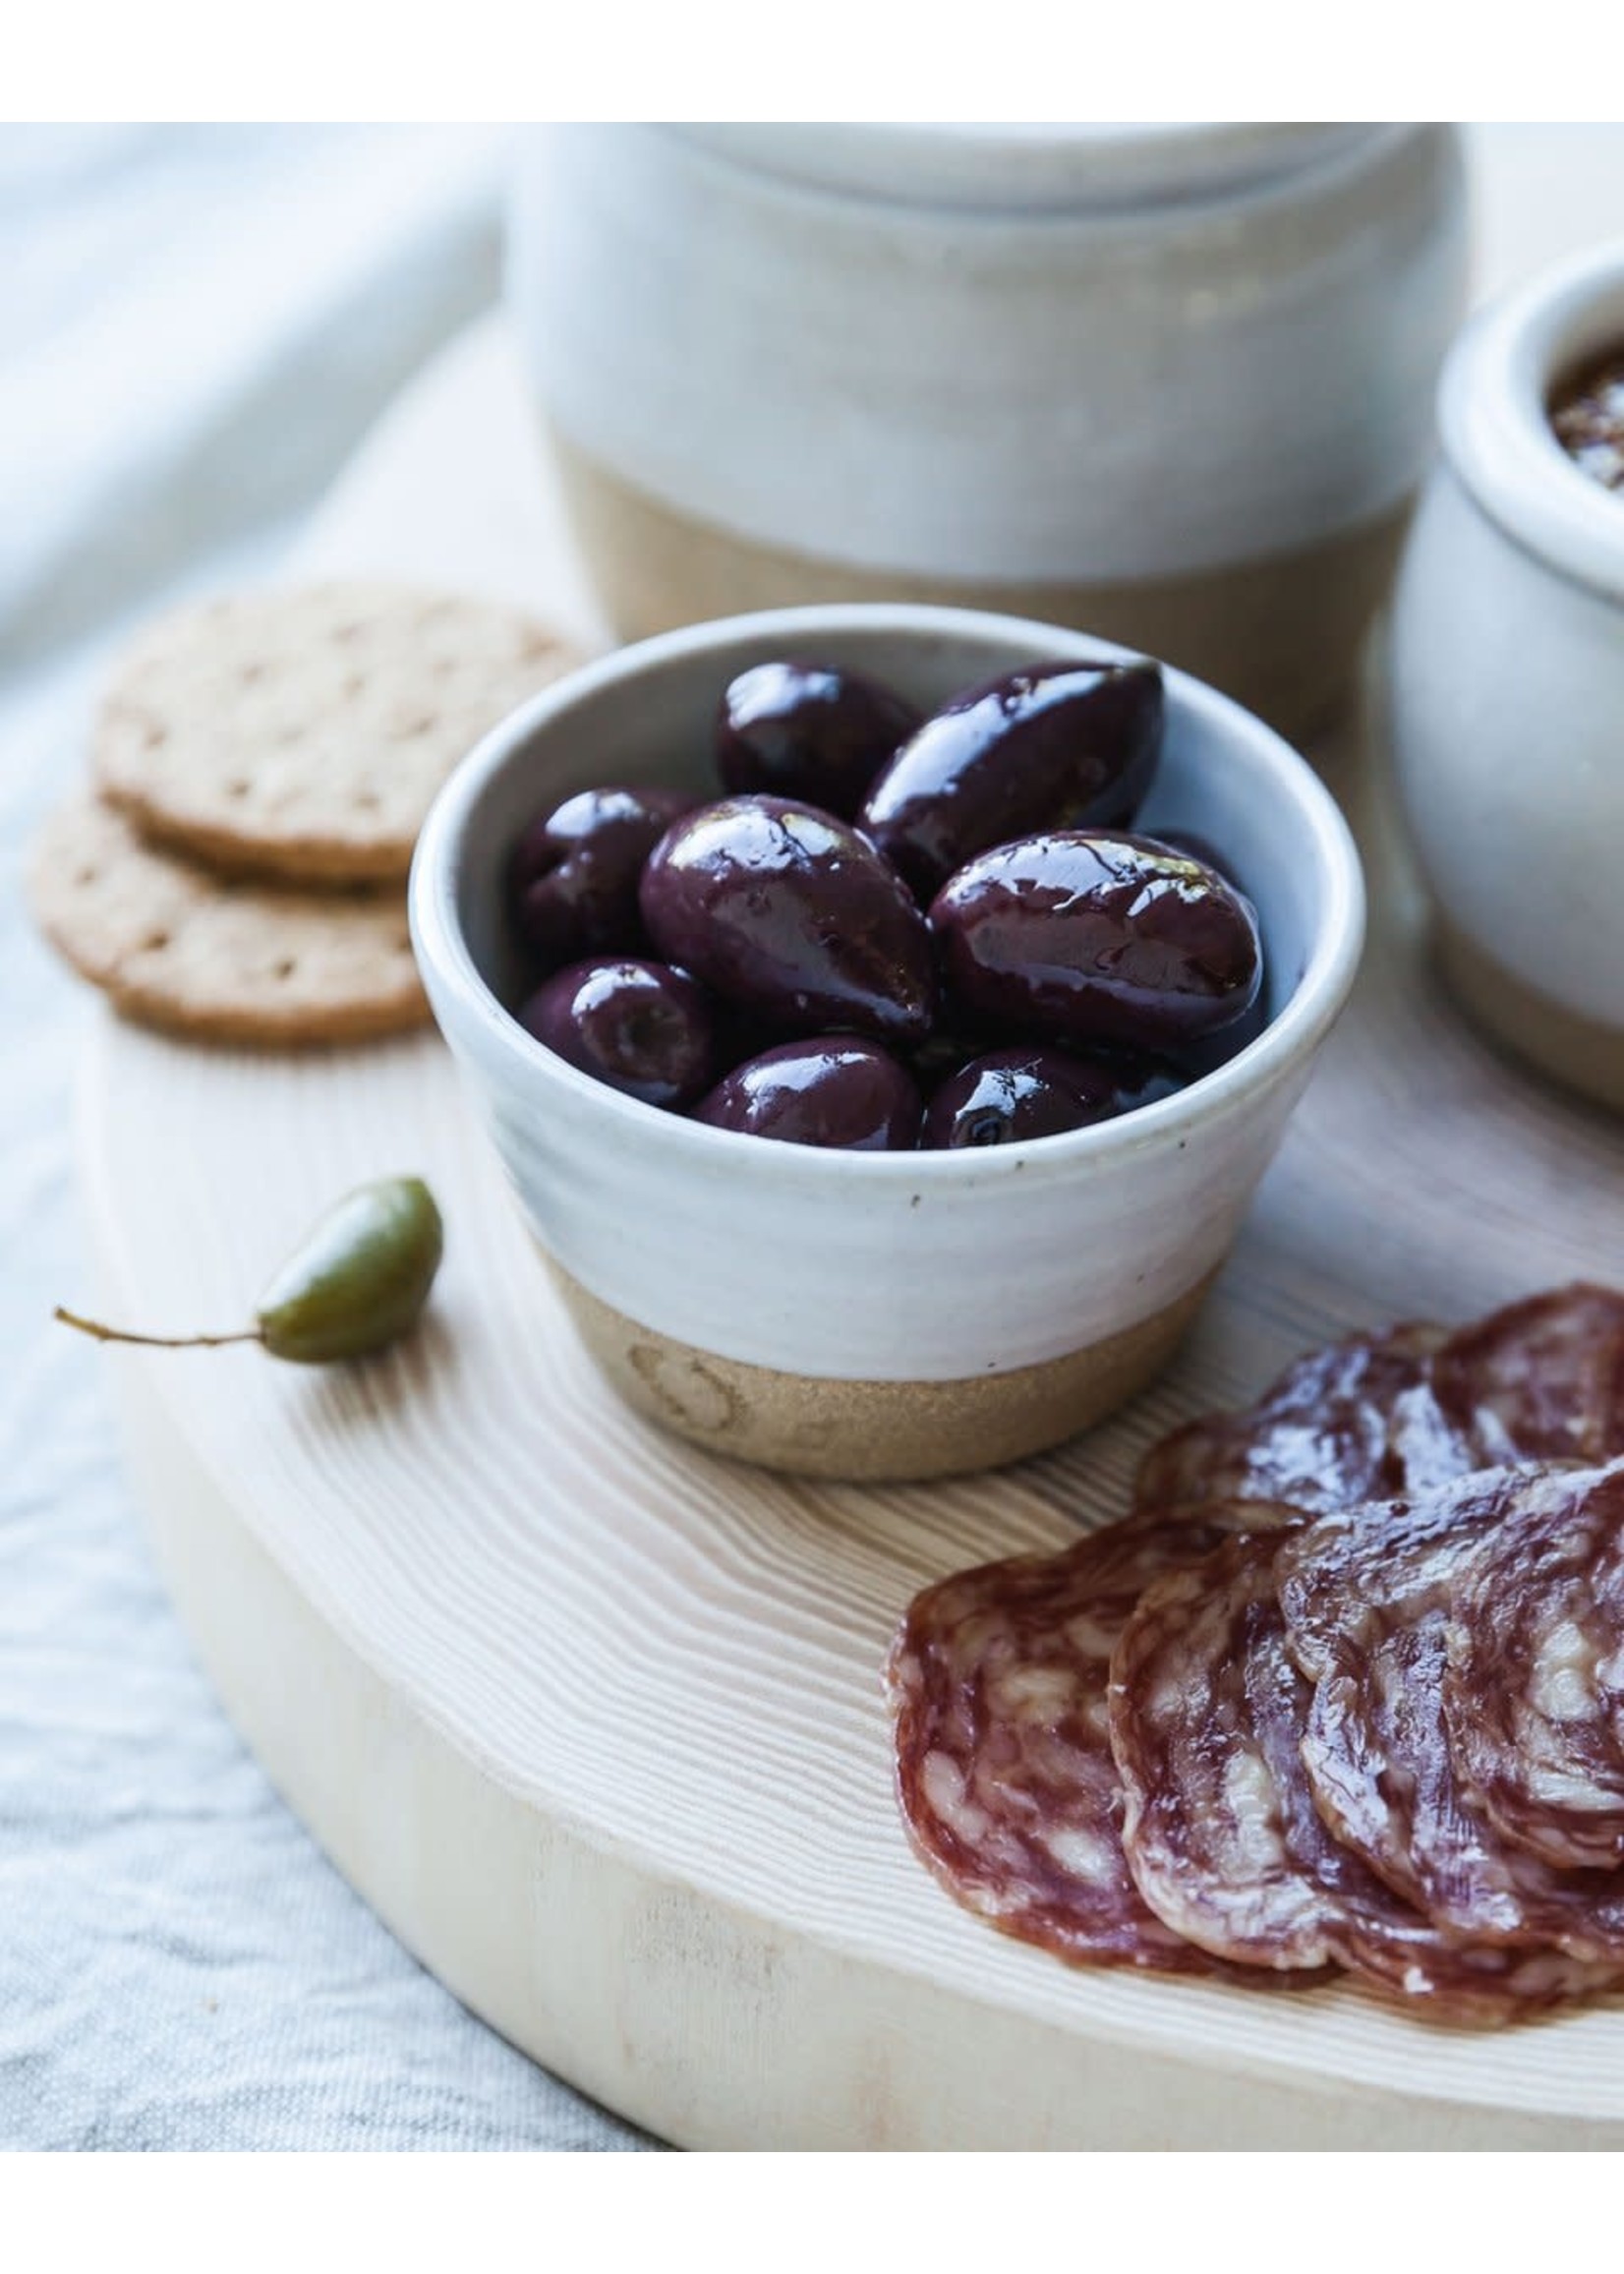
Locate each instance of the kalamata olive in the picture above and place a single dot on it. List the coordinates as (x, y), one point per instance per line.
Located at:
(1060, 745)
(742, 1033)
(782, 908)
(1011, 1095)
(1210, 1051)
(834, 1090)
(1188, 842)
(575, 870)
(357, 1282)
(952, 1042)
(807, 730)
(640, 1026)
(1089, 937)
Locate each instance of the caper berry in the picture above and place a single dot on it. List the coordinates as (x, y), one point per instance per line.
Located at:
(357, 1282)
(360, 1279)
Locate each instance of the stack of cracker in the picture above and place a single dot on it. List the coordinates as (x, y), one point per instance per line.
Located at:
(262, 765)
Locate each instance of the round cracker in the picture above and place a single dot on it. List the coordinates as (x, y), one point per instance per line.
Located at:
(175, 947)
(304, 731)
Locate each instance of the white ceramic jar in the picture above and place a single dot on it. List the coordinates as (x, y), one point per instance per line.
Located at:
(1508, 686)
(1169, 383)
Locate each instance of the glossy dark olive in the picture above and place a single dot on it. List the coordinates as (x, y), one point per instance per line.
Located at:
(742, 1033)
(1032, 1091)
(834, 1090)
(807, 730)
(1210, 1051)
(1187, 842)
(785, 910)
(952, 1042)
(1060, 745)
(640, 1026)
(575, 871)
(1089, 937)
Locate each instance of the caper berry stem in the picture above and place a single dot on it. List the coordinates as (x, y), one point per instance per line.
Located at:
(95, 1326)
(357, 1284)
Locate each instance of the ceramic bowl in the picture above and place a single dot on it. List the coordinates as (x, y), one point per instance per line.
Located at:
(1508, 686)
(861, 1314)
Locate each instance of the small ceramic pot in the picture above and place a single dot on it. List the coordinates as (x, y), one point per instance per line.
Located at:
(1508, 686)
(1171, 383)
(876, 1314)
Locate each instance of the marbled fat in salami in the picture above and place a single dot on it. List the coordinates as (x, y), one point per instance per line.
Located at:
(1366, 1596)
(1208, 1713)
(1541, 1381)
(1348, 1690)
(1004, 1764)
(1392, 1415)
(1358, 1421)
(1533, 1689)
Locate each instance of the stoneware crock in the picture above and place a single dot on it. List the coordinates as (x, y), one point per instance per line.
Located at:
(1508, 686)
(862, 1315)
(1173, 384)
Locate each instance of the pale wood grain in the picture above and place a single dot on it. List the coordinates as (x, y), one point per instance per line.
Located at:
(595, 1722)
(671, 1665)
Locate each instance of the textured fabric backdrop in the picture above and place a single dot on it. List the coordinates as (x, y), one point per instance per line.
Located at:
(198, 327)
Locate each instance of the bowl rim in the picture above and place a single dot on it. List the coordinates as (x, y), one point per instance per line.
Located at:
(1494, 415)
(490, 1030)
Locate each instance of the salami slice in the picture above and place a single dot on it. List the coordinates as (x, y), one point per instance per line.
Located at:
(1541, 1381)
(1004, 1766)
(1533, 1689)
(1367, 1597)
(1208, 1713)
(1358, 1421)
(1393, 1416)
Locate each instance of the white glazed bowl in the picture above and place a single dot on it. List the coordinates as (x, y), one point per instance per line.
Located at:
(864, 1315)
(1508, 686)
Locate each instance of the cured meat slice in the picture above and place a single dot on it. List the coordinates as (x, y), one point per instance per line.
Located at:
(1541, 1381)
(1533, 1689)
(1378, 1418)
(1004, 1766)
(1358, 1421)
(1348, 1689)
(1367, 1597)
(1208, 1713)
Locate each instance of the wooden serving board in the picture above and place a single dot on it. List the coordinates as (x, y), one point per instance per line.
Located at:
(593, 1721)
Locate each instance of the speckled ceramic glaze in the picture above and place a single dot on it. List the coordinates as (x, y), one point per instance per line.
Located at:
(1508, 686)
(1168, 383)
(877, 1315)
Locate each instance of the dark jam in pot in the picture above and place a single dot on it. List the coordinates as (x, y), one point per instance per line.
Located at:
(1587, 420)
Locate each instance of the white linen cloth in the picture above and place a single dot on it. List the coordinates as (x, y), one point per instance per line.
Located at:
(198, 325)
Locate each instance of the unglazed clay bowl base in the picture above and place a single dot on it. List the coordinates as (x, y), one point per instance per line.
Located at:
(1582, 1054)
(1281, 635)
(872, 1431)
